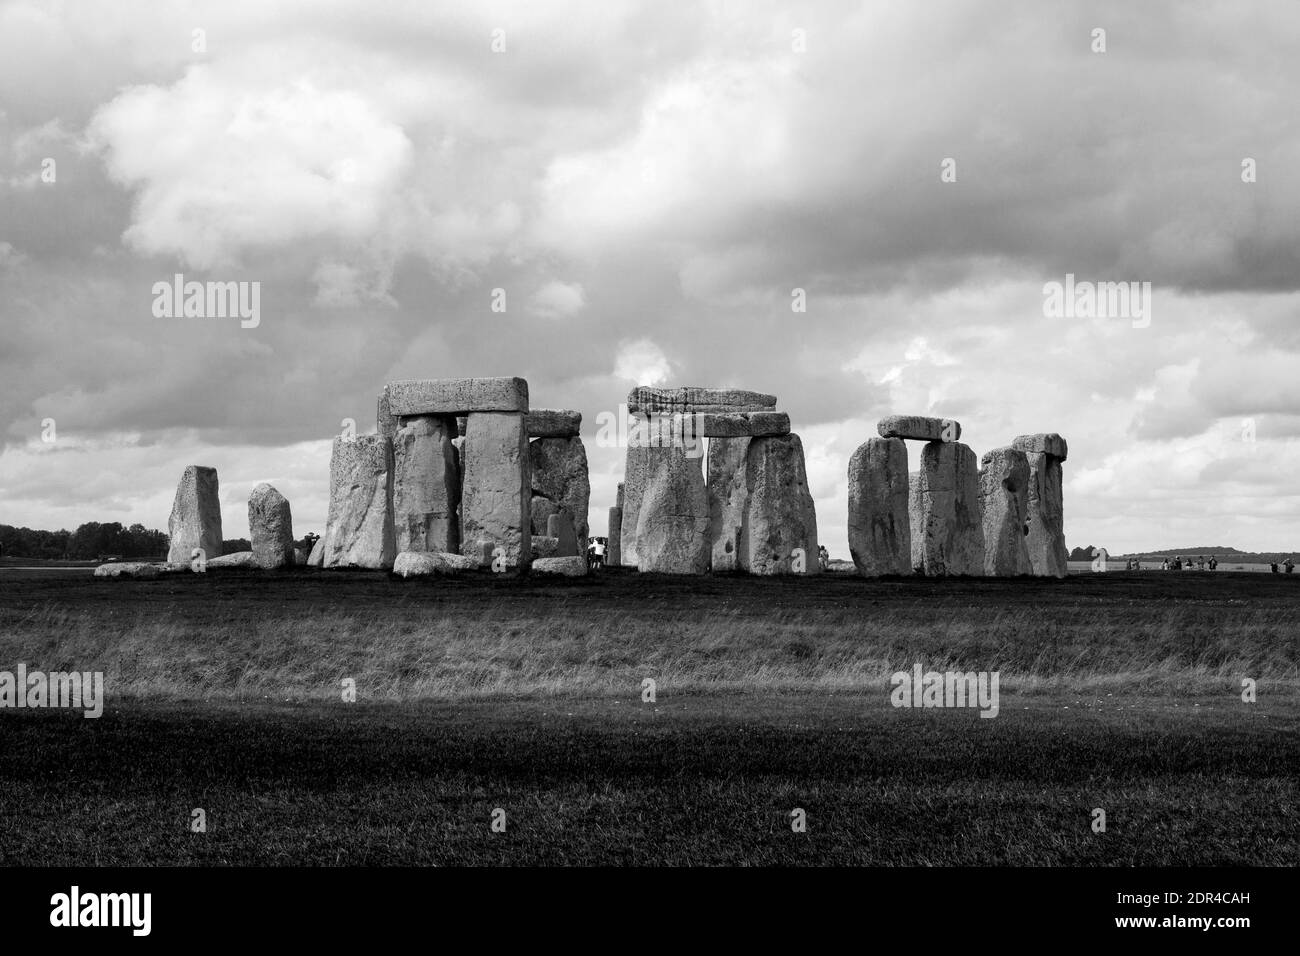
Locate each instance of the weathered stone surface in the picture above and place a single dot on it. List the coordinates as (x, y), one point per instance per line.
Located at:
(299, 557)
(690, 399)
(544, 546)
(560, 527)
(951, 527)
(270, 527)
(919, 428)
(554, 423)
(541, 509)
(1004, 503)
(916, 522)
(359, 528)
(559, 473)
(195, 520)
(1048, 443)
(779, 513)
(457, 396)
(570, 567)
(672, 535)
(386, 422)
(412, 564)
(727, 497)
(128, 569)
(317, 557)
(762, 424)
(618, 497)
(880, 537)
(1046, 542)
(426, 485)
(641, 462)
(237, 559)
(495, 496)
(614, 538)
(741, 425)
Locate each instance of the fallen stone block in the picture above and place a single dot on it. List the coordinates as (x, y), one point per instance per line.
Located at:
(570, 567)
(238, 559)
(128, 569)
(919, 428)
(412, 564)
(457, 396)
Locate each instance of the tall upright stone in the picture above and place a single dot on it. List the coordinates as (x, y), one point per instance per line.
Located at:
(727, 497)
(195, 520)
(614, 531)
(426, 485)
(953, 530)
(916, 521)
(1004, 504)
(1047, 551)
(559, 474)
(495, 495)
(359, 528)
(673, 519)
(779, 515)
(636, 472)
(560, 527)
(880, 538)
(270, 528)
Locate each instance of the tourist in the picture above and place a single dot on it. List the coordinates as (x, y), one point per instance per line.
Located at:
(1214, 562)
(1288, 564)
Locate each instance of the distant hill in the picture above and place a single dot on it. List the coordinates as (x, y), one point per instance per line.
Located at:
(1222, 552)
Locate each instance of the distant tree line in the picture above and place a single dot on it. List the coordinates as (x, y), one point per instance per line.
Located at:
(90, 541)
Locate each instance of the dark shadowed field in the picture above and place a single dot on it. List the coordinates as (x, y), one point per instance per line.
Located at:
(1120, 692)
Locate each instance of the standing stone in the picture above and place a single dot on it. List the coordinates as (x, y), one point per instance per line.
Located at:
(1004, 503)
(636, 473)
(386, 422)
(195, 520)
(560, 527)
(953, 532)
(270, 527)
(495, 499)
(426, 485)
(559, 473)
(673, 520)
(727, 497)
(317, 557)
(880, 538)
(541, 510)
(1047, 551)
(916, 522)
(779, 515)
(359, 528)
(614, 538)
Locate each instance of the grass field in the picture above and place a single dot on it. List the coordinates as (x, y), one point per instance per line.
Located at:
(1119, 691)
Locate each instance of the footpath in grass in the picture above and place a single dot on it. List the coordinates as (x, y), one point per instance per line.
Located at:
(695, 779)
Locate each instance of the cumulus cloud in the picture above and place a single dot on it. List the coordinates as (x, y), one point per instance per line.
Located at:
(557, 299)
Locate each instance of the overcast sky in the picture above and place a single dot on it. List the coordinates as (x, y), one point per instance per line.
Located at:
(648, 182)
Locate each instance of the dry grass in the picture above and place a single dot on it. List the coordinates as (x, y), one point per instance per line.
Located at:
(568, 648)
